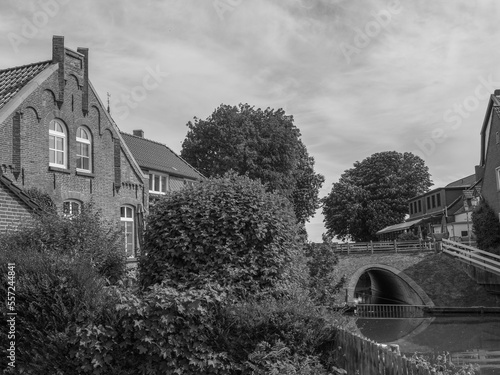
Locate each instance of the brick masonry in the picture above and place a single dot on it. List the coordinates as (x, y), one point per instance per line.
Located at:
(24, 146)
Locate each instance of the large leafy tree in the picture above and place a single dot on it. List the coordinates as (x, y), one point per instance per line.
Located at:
(262, 144)
(374, 194)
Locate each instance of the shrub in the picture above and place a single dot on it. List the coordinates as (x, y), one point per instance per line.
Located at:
(85, 237)
(164, 331)
(408, 236)
(486, 227)
(52, 296)
(227, 230)
(321, 262)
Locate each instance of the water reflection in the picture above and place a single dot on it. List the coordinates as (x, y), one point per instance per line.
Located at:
(473, 339)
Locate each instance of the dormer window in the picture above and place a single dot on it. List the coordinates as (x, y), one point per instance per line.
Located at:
(57, 145)
(158, 184)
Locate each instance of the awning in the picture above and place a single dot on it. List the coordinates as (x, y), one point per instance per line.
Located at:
(398, 227)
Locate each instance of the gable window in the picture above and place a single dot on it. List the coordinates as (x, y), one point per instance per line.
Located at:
(57, 144)
(71, 207)
(83, 150)
(127, 225)
(158, 183)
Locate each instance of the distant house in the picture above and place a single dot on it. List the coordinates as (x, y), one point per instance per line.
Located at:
(488, 169)
(57, 136)
(166, 170)
(429, 212)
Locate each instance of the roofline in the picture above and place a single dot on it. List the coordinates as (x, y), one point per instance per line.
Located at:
(483, 128)
(173, 152)
(25, 66)
(122, 141)
(20, 193)
(462, 187)
(15, 102)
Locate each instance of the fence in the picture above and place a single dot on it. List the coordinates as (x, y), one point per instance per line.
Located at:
(358, 355)
(384, 246)
(472, 256)
(389, 311)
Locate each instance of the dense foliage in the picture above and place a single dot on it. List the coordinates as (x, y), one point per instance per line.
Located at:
(227, 230)
(374, 194)
(263, 144)
(486, 228)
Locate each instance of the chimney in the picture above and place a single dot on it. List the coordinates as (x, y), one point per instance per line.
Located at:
(85, 88)
(58, 55)
(139, 133)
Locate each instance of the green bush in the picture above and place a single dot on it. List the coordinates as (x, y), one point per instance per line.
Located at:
(227, 230)
(52, 296)
(85, 237)
(408, 236)
(486, 228)
(165, 331)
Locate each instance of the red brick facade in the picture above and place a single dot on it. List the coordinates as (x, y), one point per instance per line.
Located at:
(13, 211)
(63, 92)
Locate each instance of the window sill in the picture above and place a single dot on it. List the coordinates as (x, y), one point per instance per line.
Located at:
(85, 174)
(59, 169)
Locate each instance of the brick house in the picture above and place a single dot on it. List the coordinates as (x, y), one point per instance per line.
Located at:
(488, 169)
(166, 170)
(57, 136)
(429, 212)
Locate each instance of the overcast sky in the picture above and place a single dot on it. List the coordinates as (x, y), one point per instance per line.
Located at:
(358, 76)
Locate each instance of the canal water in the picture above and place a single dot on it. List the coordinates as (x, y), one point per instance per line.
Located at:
(469, 339)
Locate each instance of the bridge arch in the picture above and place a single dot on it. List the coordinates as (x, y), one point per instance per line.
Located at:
(387, 285)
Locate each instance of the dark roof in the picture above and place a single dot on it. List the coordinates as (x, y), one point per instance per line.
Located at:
(466, 181)
(156, 156)
(14, 79)
(19, 193)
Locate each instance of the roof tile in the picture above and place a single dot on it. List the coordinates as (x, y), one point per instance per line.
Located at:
(14, 79)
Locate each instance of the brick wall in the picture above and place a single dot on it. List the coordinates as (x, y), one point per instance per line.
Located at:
(13, 211)
(489, 188)
(31, 135)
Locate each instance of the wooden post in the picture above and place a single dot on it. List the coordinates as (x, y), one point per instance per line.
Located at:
(395, 246)
(348, 248)
(371, 245)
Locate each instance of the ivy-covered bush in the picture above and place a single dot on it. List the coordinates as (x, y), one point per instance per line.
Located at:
(164, 331)
(85, 237)
(486, 228)
(227, 230)
(53, 295)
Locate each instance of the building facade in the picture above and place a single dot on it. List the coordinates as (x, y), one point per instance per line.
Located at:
(57, 136)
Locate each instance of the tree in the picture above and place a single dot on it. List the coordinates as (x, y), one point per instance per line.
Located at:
(374, 194)
(229, 231)
(263, 144)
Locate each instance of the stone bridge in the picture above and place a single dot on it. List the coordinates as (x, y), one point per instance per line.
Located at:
(421, 277)
(380, 278)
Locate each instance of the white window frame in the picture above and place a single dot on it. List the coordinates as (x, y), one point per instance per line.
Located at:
(72, 203)
(58, 135)
(163, 183)
(124, 219)
(497, 177)
(86, 141)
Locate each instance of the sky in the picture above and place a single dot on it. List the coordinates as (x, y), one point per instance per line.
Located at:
(358, 76)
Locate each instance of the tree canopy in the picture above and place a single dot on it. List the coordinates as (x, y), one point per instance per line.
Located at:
(262, 144)
(374, 194)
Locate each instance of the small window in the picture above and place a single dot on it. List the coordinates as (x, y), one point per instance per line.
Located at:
(57, 144)
(71, 207)
(83, 150)
(411, 208)
(428, 202)
(419, 206)
(497, 138)
(497, 170)
(127, 224)
(433, 201)
(438, 198)
(158, 183)
(464, 233)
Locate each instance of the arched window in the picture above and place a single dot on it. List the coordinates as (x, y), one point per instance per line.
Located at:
(83, 150)
(71, 207)
(127, 224)
(58, 154)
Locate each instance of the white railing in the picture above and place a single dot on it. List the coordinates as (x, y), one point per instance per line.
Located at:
(383, 246)
(473, 256)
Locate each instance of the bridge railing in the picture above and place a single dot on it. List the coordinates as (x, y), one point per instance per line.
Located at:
(384, 246)
(473, 256)
(366, 310)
